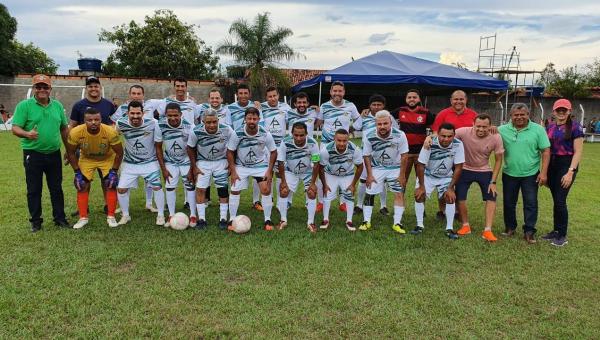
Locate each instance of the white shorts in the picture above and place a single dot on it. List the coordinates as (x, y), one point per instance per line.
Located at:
(130, 173)
(244, 173)
(177, 171)
(383, 177)
(435, 183)
(218, 170)
(293, 179)
(363, 174)
(339, 182)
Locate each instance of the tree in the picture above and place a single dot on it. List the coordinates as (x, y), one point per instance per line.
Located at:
(259, 48)
(594, 73)
(568, 83)
(16, 57)
(161, 47)
(548, 75)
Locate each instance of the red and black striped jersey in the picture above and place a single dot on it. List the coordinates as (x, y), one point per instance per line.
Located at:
(414, 124)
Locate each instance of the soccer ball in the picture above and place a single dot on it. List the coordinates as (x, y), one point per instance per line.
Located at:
(179, 221)
(241, 224)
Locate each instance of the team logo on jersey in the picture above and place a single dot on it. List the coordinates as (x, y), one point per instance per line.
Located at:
(176, 148)
(419, 119)
(300, 167)
(275, 125)
(341, 171)
(385, 158)
(250, 158)
(138, 145)
(337, 124)
(213, 151)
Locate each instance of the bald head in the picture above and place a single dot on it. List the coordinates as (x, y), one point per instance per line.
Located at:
(458, 101)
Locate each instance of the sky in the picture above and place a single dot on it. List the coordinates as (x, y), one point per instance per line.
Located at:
(330, 33)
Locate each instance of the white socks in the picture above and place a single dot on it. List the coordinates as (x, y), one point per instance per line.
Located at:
(191, 199)
(124, 202)
(255, 191)
(420, 212)
(234, 203)
(367, 212)
(159, 198)
(398, 212)
(223, 210)
(326, 206)
(450, 210)
(349, 210)
(171, 198)
(282, 206)
(201, 211)
(360, 197)
(267, 203)
(311, 205)
(149, 192)
(383, 198)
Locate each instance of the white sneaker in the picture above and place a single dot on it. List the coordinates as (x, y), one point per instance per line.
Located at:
(81, 223)
(112, 222)
(124, 219)
(160, 220)
(168, 222)
(151, 208)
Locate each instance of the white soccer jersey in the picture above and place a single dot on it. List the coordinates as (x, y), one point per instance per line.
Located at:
(340, 164)
(139, 141)
(189, 109)
(210, 147)
(368, 123)
(149, 107)
(252, 151)
(238, 113)
(336, 117)
(222, 112)
(439, 161)
(275, 120)
(308, 118)
(298, 159)
(385, 153)
(174, 140)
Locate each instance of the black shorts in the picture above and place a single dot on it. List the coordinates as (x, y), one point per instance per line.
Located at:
(483, 178)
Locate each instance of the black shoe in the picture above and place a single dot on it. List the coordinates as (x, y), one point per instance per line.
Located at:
(358, 210)
(186, 206)
(418, 230)
(508, 232)
(451, 234)
(384, 211)
(105, 209)
(550, 236)
(76, 212)
(440, 215)
(223, 224)
(202, 225)
(35, 227)
(62, 224)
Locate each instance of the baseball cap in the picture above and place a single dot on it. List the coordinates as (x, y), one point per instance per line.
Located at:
(92, 80)
(41, 79)
(564, 103)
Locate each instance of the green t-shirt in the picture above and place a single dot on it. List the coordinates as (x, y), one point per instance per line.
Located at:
(48, 120)
(522, 155)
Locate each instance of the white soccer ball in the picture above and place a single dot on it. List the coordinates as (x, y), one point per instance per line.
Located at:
(179, 221)
(241, 224)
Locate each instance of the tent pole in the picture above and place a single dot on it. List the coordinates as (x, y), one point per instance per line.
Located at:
(320, 88)
(506, 106)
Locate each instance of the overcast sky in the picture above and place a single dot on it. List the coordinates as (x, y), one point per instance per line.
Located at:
(330, 34)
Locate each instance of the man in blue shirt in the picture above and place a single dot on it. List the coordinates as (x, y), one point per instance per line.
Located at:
(93, 98)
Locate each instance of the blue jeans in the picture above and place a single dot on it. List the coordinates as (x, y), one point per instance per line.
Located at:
(529, 190)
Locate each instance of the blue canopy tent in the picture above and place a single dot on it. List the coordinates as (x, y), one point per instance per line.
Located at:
(391, 68)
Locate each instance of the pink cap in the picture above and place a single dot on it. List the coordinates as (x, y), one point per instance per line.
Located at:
(564, 103)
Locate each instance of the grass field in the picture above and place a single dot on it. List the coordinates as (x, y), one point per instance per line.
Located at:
(146, 281)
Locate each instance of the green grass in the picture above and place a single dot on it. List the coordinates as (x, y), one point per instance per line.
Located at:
(146, 281)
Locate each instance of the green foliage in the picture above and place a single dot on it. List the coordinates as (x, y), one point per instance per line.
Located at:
(594, 72)
(144, 281)
(259, 47)
(567, 83)
(161, 47)
(16, 57)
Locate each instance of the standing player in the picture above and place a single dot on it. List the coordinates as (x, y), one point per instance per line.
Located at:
(93, 98)
(338, 160)
(439, 167)
(136, 92)
(207, 150)
(215, 102)
(189, 109)
(336, 114)
(251, 152)
(367, 124)
(414, 119)
(479, 144)
(140, 134)
(238, 113)
(274, 119)
(302, 113)
(384, 154)
(100, 150)
(298, 161)
(174, 162)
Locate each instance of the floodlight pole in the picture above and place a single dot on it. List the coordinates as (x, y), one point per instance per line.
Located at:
(320, 88)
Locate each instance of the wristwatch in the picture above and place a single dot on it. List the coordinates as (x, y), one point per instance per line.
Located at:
(573, 169)
(493, 182)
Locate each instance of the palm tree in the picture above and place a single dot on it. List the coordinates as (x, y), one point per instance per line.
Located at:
(259, 47)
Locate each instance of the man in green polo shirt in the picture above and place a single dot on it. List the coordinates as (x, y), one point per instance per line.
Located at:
(40, 122)
(526, 158)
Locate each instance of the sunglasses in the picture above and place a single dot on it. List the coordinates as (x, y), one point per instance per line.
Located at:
(42, 87)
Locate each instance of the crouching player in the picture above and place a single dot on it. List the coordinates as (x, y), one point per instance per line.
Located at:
(251, 153)
(207, 150)
(140, 159)
(100, 149)
(298, 158)
(439, 167)
(174, 161)
(336, 170)
(385, 156)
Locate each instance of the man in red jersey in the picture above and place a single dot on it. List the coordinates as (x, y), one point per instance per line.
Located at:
(458, 114)
(414, 119)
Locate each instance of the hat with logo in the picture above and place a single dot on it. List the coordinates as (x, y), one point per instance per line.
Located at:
(41, 79)
(92, 80)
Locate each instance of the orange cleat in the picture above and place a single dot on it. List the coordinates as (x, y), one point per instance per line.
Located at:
(488, 236)
(319, 207)
(343, 207)
(464, 230)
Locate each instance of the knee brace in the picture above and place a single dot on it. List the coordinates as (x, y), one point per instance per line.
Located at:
(223, 192)
(369, 200)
